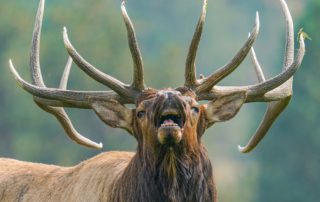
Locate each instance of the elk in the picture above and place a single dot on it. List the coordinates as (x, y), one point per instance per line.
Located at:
(170, 163)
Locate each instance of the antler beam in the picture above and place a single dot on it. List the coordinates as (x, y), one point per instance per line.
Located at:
(53, 99)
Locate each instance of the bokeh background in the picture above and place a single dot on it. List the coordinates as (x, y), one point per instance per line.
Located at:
(285, 166)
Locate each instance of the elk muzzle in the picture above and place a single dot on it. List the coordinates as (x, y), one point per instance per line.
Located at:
(170, 117)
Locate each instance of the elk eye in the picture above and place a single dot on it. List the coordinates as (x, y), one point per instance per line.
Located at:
(195, 109)
(140, 114)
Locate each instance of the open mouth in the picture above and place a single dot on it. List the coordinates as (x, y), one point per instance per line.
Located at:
(170, 118)
(170, 123)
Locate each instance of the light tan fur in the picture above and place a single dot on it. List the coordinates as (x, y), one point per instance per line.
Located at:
(91, 180)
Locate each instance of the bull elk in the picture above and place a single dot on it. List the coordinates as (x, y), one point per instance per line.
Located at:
(171, 163)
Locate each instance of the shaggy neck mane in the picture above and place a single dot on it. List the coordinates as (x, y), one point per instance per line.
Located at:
(167, 175)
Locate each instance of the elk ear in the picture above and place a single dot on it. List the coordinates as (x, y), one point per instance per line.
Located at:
(114, 114)
(224, 107)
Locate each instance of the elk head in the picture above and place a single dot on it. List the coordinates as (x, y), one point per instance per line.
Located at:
(169, 118)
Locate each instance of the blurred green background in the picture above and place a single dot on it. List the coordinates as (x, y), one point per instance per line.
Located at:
(285, 167)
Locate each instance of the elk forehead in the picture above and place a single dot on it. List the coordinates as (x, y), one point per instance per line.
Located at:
(168, 93)
(150, 96)
(170, 100)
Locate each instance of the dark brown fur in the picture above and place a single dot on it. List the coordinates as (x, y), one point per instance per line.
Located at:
(164, 173)
(170, 176)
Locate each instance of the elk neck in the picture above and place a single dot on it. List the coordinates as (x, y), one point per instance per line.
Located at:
(168, 174)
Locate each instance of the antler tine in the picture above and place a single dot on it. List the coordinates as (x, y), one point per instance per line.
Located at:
(116, 85)
(260, 89)
(128, 92)
(274, 89)
(275, 108)
(270, 114)
(273, 111)
(257, 67)
(62, 116)
(37, 79)
(289, 49)
(36, 75)
(213, 79)
(190, 71)
(138, 80)
(68, 127)
(65, 75)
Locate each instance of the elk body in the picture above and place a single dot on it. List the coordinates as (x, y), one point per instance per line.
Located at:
(171, 163)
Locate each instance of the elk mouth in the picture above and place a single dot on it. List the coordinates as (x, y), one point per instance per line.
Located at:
(170, 118)
(169, 124)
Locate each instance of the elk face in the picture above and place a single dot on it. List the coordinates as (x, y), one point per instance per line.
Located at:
(169, 118)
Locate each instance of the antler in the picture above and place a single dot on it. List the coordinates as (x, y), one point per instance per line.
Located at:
(275, 108)
(190, 71)
(277, 90)
(53, 99)
(206, 84)
(37, 80)
(122, 89)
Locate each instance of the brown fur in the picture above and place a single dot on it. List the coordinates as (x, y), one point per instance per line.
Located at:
(111, 176)
(91, 180)
(174, 171)
(160, 173)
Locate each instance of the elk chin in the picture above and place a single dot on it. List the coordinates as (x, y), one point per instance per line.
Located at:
(170, 135)
(170, 130)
